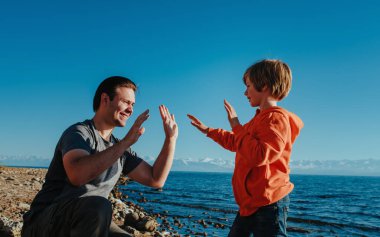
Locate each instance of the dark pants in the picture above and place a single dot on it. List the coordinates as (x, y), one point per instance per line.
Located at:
(81, 217)
(267, 221)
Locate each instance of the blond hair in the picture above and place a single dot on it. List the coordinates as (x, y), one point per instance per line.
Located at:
(274, 74)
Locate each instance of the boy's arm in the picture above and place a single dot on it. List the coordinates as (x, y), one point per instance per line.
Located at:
(224, 138)
(269, 143)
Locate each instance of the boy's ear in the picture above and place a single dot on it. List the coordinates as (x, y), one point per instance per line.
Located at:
(264, 89)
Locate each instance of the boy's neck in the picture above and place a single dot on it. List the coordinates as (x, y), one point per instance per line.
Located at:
(268, 103)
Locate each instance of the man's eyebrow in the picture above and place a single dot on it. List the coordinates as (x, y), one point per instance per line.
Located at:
(128, 101)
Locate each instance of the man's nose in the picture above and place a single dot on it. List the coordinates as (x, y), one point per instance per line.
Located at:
(129, 108)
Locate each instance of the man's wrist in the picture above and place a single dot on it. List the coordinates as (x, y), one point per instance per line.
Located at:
(171, 139)
(125, 143)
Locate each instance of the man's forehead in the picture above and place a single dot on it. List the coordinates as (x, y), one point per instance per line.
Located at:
(125, 92)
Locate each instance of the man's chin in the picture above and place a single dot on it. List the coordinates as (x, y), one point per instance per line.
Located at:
(121, 123)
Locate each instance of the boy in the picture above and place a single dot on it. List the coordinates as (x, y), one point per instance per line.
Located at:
(261, 176)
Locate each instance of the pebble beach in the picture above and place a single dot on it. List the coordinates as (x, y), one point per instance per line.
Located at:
(18, 187)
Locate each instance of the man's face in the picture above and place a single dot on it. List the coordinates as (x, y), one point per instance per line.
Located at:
(121, 107)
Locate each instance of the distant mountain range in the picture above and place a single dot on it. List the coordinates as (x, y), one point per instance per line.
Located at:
(201, 165)
(367, 167)
(22, 160)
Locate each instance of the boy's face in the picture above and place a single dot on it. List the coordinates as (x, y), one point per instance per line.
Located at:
(254, 97)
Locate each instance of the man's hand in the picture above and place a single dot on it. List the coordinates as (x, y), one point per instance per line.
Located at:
(156, 175)
(231, 114)
(170, 125)
(198, 124)
(136, 130)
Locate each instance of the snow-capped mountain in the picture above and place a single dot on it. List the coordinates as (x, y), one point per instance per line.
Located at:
(201, 165)
(368, 167)
(23, 160)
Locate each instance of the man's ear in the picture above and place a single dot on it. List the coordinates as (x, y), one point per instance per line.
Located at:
(104, 99)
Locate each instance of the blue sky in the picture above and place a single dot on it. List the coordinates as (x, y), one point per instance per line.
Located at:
(190, 55)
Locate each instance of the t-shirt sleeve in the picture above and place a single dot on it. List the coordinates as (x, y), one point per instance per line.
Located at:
(130, 161)
(76, 137)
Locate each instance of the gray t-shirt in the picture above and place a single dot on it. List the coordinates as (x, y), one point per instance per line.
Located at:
(57, 188)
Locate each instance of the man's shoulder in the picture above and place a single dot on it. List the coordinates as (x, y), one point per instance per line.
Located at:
(80, 125)
(84, 127)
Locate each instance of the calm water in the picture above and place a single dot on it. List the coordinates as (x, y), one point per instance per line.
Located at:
(320, 205)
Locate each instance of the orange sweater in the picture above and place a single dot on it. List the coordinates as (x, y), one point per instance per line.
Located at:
(263, 147)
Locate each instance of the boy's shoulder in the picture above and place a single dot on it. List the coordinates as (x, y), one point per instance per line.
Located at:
(277, 113)
(274, 112)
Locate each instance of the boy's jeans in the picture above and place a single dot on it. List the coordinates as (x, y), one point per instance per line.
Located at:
(266, 221)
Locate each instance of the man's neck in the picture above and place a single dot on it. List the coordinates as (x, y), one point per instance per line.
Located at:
(104, 129)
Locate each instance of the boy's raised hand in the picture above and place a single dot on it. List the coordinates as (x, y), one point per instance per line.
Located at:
(231, 114)
(198, 124)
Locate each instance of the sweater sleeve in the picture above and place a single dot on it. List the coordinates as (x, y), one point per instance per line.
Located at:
(224, 138)
(268, 143)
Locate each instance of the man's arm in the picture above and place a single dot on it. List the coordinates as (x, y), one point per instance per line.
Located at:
(156, 175)
(81, 167)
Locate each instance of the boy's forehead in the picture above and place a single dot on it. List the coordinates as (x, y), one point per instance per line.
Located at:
(247, 81)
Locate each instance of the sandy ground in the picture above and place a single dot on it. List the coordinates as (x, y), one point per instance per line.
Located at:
(18, 186)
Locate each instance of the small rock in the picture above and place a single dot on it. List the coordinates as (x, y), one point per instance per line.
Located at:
(24, 206)
(147, 225)
(131, 218)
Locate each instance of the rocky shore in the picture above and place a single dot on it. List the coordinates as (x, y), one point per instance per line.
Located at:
(18, 186)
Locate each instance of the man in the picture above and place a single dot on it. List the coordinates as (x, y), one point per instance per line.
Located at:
(87, 163)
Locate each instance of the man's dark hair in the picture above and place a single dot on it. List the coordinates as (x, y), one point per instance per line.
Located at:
(109, 86)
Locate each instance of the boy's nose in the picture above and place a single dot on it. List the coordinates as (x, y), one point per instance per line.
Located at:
(245, 93)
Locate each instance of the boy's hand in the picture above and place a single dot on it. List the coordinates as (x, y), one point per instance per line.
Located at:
(198, 124)
(170, 125)
(231, 113)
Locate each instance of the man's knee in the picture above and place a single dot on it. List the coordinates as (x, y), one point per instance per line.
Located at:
(92, 217)
(93, 207)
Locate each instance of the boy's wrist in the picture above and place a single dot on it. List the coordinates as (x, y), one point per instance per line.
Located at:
(237, 129)
(234, 122)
